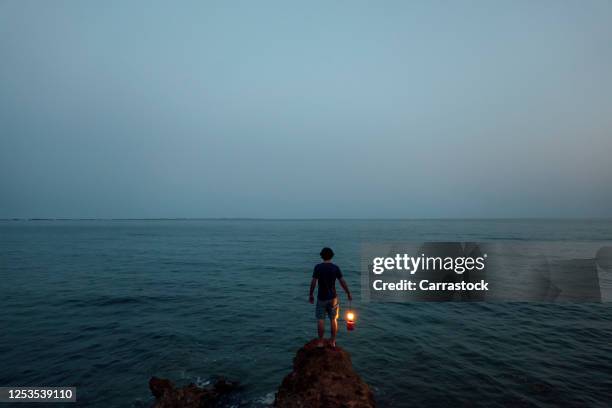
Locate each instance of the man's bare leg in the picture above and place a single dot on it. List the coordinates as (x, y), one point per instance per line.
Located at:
(334, 331)
(321, 331)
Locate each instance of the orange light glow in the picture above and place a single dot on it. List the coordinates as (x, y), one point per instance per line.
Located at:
(350, 316)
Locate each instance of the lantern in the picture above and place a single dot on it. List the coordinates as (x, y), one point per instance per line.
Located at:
(350, 321)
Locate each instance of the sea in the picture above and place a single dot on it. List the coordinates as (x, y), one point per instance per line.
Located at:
(103, 305)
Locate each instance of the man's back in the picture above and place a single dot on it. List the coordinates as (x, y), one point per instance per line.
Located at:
(327, 273)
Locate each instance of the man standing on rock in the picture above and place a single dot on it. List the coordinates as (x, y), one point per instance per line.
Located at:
(325, 274)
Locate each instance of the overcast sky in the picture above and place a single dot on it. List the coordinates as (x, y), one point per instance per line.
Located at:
(305, 109)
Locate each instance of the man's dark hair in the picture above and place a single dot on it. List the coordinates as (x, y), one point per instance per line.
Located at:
(327, 254)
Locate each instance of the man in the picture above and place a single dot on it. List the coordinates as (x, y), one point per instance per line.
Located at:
(325, 274)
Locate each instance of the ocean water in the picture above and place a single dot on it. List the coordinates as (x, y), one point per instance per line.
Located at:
(104, 305)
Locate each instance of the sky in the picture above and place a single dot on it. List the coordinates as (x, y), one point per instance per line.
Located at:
(318, 109)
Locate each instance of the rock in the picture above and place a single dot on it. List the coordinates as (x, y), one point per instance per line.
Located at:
(189, 396)
(323, 377)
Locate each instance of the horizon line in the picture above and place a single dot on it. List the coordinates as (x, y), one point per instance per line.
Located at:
(291, 218)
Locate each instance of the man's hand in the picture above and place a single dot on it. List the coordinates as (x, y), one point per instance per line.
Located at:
(313, 284)
(346, 289)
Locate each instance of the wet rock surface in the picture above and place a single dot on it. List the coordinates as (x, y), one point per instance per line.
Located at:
(189, 396)
(323, 377)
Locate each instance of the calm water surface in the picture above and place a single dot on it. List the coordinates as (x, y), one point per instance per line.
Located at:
(104, 305)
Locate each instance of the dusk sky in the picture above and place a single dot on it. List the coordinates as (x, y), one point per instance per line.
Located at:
(305, 109)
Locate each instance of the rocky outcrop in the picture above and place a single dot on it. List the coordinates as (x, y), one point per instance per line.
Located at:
(323, 377)
(189, 396)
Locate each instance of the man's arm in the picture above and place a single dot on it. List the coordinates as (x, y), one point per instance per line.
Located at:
(313, 284)
(346, 289)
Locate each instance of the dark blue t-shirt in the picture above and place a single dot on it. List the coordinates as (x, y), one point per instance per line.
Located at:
(326, 273)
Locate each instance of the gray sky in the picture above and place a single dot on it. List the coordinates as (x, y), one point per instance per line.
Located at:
(305, 109)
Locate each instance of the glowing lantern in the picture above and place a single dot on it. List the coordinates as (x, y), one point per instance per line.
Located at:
(350, 321)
